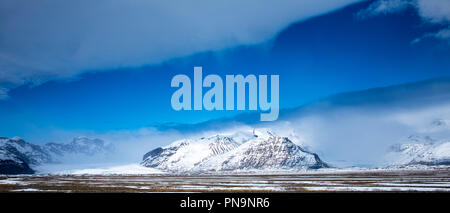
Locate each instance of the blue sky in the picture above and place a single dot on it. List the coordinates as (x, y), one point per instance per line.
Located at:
(326, 54)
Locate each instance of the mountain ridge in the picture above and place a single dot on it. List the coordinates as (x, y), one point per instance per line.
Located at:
(225, 153)
(20, 157)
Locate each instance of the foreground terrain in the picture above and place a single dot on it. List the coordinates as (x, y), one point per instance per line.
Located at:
(404, 180)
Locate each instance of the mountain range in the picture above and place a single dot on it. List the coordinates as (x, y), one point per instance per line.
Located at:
(20, 157)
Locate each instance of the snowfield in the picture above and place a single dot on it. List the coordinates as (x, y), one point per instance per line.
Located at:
(130, 169)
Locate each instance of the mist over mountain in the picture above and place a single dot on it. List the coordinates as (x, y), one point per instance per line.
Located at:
(18, 156)
(431, 147)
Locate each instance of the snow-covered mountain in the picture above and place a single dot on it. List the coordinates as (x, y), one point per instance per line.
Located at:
(30, 153)
(430, 145)
(229, 152)
(11, 163)
(79, 145)
(420, 150)
(18, 156)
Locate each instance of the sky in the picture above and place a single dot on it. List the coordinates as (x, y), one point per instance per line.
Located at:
(107, 66)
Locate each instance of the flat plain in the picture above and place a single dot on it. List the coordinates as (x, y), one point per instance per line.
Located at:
(330, 180)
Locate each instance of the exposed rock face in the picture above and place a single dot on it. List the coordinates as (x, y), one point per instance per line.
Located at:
(274, 152)
(222, 145)
(225, 153)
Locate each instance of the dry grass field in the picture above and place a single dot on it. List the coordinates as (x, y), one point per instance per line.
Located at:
(434, 180)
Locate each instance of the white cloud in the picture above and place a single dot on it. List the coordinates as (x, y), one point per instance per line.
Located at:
(443, 34)
(383, 7)
(436, 11)
(50, 39)
(431, 11)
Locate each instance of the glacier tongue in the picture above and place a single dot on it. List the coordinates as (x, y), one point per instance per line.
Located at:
(228, 152)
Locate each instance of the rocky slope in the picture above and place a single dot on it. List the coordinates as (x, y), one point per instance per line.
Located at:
(29, 153)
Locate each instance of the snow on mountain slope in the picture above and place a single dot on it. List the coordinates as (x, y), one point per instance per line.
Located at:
(128, 169)
(421, 150)
(12, 164)
(30, 153)
(264, 153)
(16, 156)
(185, 154)
(237, 151)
